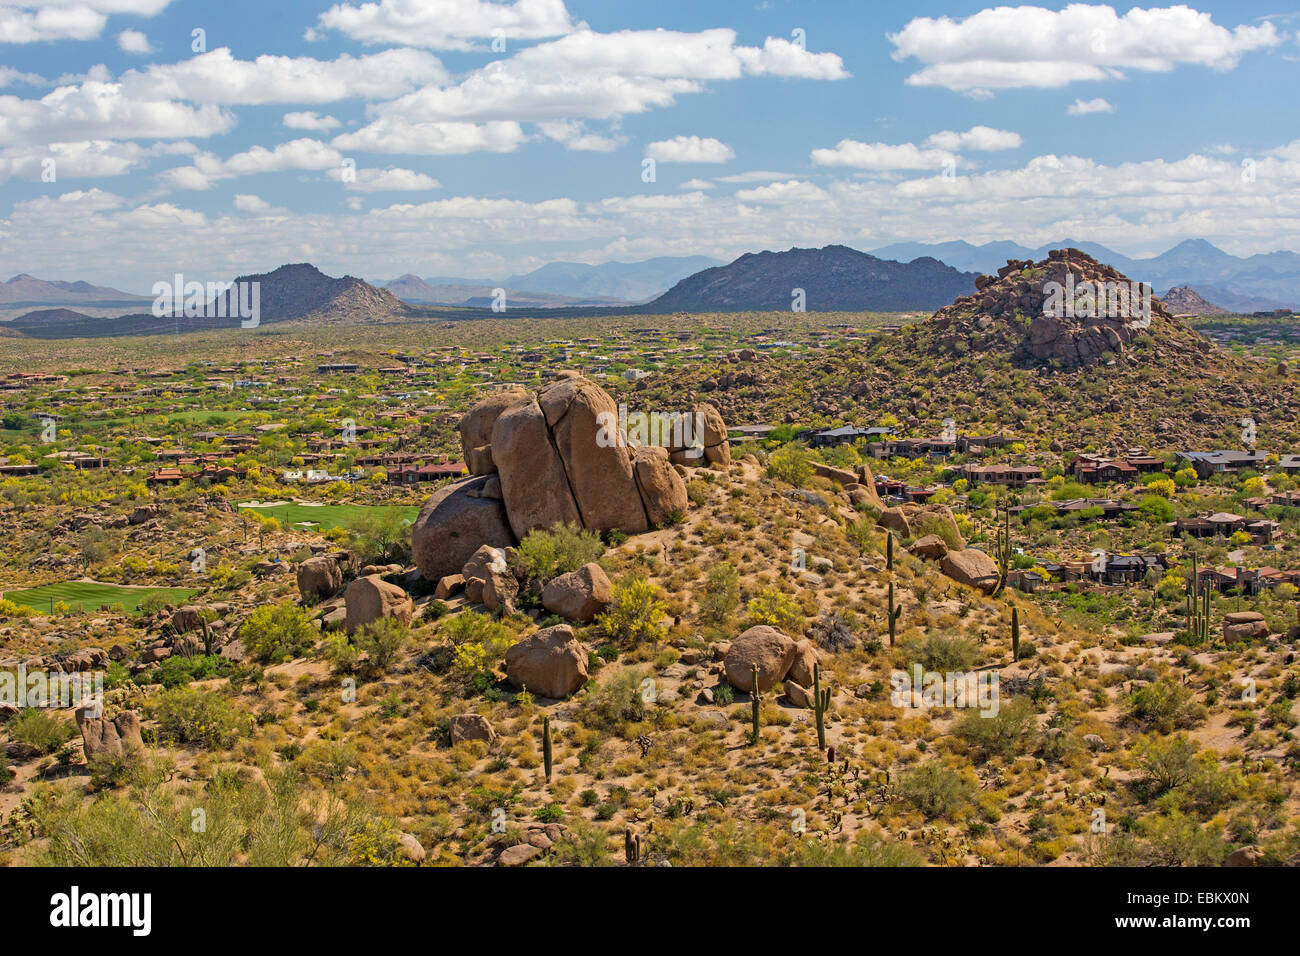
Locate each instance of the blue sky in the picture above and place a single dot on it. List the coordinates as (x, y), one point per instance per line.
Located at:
(489, 137)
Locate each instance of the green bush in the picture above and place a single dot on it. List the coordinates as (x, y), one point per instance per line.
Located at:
(1164, 705)
(278, 632)
(615, 701)
(721, 592)
(1005, 734)
(791, 463)
(935, 790)
(478, 643)
(370, 651)
(188, 715)
(546, 554)
(636, 612)
(939, 652)
(775, 609)
(37, 732)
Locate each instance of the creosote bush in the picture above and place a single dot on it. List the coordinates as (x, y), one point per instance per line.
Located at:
(545, 554)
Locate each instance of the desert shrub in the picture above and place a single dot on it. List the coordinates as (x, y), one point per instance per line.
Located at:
(277, 632)
(928, 523)
(369, 652)
(545, 554)
(583, 844)
(478, 642)
(176, 670)
(940, 652)
(152, 604)
(833, 633)
(381, 536)
(775, 609)
(935, 790)
(1164, 705)
(1164, 764)
(615, 701)
(36, 731)
(721, 592)
(636, 612)
(261, 820)
(791, 463)
(1004, 734)
(189, 715)
(327, 759)
(867, 849)
(10, 608)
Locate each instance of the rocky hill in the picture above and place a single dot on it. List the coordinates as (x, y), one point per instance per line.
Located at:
(834, 279)
(1184, 300)
(300, 290)
(291, 292)
(1068, 310)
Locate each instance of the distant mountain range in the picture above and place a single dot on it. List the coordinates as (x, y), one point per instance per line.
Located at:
(557, 284)
(1241, 284)
(471, 294)
(26, 289)
(295, 291)
(833, 279)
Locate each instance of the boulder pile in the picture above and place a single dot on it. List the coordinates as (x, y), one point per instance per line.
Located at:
(561, 456)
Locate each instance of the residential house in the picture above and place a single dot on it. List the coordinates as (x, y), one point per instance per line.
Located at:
(1207, 463)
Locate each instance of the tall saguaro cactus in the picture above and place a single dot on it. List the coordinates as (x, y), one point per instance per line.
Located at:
(547, 752)
(894, 613)
(1015, 634)
(754, 701)
(1004, 548)
(821, 703)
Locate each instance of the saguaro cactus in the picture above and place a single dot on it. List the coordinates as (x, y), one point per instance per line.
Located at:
(821, 703)
(1004, 549)
(894, 613)
(547, 752)
(1015, 634)
(754, 701)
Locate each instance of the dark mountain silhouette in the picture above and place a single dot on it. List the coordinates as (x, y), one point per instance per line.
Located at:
(297, 291)
(834, 279)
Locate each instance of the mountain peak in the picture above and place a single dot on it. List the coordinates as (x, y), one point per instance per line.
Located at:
(1054, 311)
(834, 278)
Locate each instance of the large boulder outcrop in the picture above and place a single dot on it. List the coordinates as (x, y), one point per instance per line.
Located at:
(452, 525)
(371, 599)
(550, 663)
(563, 457)
(662, 490)
(762, 646)
(578, 595)
(477, 424)
(101, 737)
(534, 482)
(319, 577)
(584, 423)
(1244, 626)
(971, 567)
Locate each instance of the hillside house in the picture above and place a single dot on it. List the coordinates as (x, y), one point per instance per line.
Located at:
(1207, 463)
(1008, 476)
(413, 474)
(1225, 524)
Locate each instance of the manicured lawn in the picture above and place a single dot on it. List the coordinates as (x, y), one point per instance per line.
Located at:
(325, 517)
(82, 595)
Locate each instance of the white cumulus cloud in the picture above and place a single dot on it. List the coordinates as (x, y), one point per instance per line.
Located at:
(690, 149)
(1028, 46)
